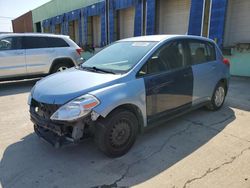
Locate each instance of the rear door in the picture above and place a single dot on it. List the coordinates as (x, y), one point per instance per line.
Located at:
(168, 81)
(38, 54)
(204, 65)
(12, 57)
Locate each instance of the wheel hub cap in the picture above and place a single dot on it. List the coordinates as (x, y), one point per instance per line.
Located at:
(219, 96)
(120, 134)
(61, 69)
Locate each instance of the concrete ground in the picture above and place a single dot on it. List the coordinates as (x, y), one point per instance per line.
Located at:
(199, 149)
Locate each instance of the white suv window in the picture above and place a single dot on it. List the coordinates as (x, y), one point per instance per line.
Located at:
(35, 42)
(44, 42)
(55, 42)
(11, 43)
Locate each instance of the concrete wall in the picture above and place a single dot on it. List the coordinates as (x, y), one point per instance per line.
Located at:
(23, 23)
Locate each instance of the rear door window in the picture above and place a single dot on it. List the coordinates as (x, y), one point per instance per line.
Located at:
(11, 43)
(201, 52)
(35, 42)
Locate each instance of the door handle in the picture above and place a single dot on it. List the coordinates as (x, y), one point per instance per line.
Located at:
(213, 66)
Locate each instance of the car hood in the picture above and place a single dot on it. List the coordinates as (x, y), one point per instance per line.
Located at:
(62, 87)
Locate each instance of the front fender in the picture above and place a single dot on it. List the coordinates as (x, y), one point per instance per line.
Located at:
(111, 97)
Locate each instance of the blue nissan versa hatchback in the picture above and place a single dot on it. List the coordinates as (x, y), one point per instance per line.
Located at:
(129, 86)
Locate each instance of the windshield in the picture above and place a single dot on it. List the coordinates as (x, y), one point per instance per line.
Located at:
(119, 57)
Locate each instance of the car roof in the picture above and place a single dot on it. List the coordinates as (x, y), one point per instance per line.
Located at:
(159, 38)
(32, 34)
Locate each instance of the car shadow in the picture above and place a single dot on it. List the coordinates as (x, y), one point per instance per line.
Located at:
(16, 87)
(33, 163)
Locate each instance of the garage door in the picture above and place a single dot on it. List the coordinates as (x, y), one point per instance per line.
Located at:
(237, 28)
(58, 29)
(172, 16)
(71, 30)
(96, 30)
(46, 30)
(76, 31)
(126, 22)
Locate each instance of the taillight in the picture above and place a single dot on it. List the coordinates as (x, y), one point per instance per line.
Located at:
(79, 51)
(226, 62)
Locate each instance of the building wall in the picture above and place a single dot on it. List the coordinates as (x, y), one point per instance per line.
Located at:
(237, 38)
(57, 7)
(239, 59)
(237, 26)
(23, 23)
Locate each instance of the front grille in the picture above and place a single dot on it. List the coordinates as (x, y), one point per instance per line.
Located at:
(43, 110)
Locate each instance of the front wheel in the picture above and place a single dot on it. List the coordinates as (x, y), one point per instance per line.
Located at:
(116, 134)
(218, 98)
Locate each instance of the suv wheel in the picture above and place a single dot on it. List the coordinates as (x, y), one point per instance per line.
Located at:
(59, 67)
(116, 134)
(218, 98)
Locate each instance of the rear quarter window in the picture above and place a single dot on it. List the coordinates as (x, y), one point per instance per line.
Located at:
(54, 42)
(201, 52)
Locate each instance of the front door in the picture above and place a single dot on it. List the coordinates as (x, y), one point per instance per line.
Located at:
(168, 81)
(12, 57)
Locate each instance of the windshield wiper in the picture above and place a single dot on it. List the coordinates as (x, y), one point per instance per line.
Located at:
(95, 69)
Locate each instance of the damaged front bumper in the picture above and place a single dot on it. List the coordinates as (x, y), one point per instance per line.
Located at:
(58, 133)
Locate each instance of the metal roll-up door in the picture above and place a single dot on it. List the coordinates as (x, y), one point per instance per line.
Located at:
(71, 30)
(58, 29)
(46, 30)
(96, 31)
(126, 22)
(76, 31)
(237, 22)
(172, 16)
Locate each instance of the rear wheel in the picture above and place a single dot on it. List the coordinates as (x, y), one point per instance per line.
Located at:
(218, 98)
(116, 134)
(59, 67)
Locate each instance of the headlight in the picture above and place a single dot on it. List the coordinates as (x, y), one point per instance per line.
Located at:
(76, 108)
(29, 99)
(30, 95)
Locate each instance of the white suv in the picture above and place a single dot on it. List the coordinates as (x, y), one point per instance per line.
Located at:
(23, 55)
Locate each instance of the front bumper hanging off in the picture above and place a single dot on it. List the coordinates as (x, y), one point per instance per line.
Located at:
(57, 133)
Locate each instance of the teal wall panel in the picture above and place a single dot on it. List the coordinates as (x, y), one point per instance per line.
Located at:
(239, 62)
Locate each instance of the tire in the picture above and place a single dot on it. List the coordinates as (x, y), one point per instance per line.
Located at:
(218, 97)
(116, 134)
(59, 67)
